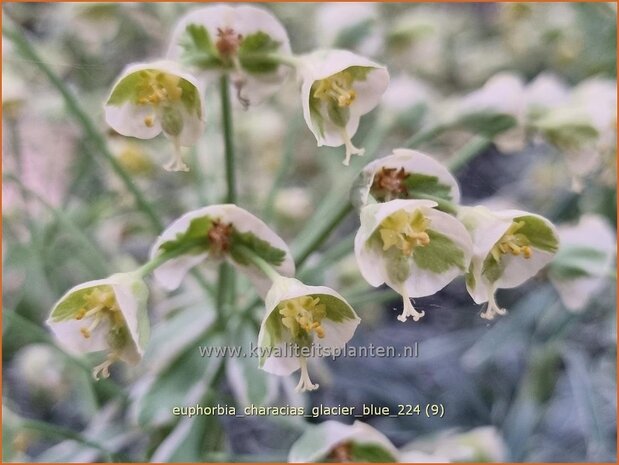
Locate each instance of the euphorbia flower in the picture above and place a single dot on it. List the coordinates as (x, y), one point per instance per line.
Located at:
(246, 42)
(406, 174)
(412, 247)
(300, 317)
(332, 441)
(149, 98)
(215, 233)
(585, 261)
(483, 444)
(338, 87)
(104, 315)
(509, 247)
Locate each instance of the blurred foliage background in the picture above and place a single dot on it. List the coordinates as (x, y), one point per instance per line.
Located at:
(542, 376)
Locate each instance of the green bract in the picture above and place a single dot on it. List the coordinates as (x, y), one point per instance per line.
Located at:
(245, 42)
(215, 233)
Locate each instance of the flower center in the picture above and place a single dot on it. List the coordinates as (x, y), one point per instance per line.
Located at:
(404, 231)
(228, 42)
(341, 453)
(336, 88)
(100, 304)
(157, 88)
(303, 314)
(390, 184)
(219, 238)
(512, 242)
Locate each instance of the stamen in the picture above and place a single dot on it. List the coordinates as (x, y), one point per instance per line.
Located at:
(156, 88)
(408, 309)
(404, 231)
(99, 304)
(149, 121)
(512, 242)
(81, 313)
(305, 383)
(337, 88)
(303, 314)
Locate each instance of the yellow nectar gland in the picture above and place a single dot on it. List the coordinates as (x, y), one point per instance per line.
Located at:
(337, 88)
(157, 88)
(512, 242)
(99, 303)
(404, 231)
(303, 313)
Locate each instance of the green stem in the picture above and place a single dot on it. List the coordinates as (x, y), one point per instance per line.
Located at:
(87, 244)
(64, 433)
(470, 150)
(283, 169)
(260, 262)
(151, 265)
(288, 60)
(228, 132)
(340, 250)
(226, 283)
(424, 136)
(306, 249)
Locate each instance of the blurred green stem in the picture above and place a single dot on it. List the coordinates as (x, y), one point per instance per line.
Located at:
(470, 150)
(228, 133)
(283, 168)
(160, 259)
(260, 263)
(87, 244)
(424, 136)
(322, 234)
(65, 433)
(226, 283)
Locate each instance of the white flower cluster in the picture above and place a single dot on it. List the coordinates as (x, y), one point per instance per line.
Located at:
(416, 238)
(414, 235)
(251, 47)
